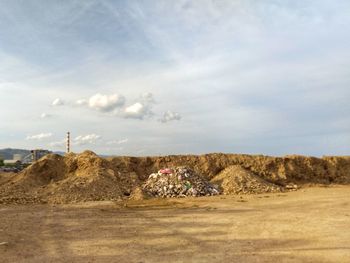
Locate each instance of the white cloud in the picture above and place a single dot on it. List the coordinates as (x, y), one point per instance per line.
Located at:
(147, 98)
(45, 115)
(140, 109)
(106, 103)
(57, 102)
(81, 102)
(118, 141)
(136, 111)
(86, 139)
(170, 116)
(39, 136)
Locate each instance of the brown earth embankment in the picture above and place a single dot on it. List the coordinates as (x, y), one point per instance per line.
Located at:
(296, 168)
(88, 177)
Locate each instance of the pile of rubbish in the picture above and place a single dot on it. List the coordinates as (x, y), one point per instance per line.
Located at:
(237, 180)
(178, 182)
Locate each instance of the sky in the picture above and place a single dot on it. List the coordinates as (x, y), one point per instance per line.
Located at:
(176, 77)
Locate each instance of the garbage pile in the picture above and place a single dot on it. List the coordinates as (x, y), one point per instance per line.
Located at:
(178, 182)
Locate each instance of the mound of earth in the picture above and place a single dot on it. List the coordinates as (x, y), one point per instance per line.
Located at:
(88, 177)
(139, 194)
(69, 179)
(280, 170)
(25, 187)
(237, 180)
(178, 182)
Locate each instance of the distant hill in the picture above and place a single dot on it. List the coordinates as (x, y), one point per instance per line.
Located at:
(7, 153)
(59, 153)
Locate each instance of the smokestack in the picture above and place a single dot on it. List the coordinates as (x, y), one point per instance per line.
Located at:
(68, 143)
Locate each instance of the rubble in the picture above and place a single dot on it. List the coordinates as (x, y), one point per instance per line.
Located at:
(291, 187)
(178, 182)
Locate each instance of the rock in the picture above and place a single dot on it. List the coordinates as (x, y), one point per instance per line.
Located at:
(291, 187)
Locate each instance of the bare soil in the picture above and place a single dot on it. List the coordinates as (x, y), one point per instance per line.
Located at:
(237, 180)
(310, 225)
(87, 177)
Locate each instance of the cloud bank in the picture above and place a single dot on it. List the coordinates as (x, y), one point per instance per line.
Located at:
(122, 141)
(45, 115)
(170, 116)
(57, 102)
(39, 136)
(86, 139)
(105, 103)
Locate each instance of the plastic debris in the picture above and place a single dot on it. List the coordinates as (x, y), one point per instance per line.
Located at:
(178, 182)
(166, 171)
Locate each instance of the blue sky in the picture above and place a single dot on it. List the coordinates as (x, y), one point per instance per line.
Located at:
(171, 77)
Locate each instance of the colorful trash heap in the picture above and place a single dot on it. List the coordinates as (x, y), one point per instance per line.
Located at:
(178, 182)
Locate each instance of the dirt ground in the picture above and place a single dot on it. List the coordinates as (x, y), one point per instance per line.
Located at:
(310, 225)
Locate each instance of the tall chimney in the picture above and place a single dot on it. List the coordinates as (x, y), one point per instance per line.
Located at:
(68, 143)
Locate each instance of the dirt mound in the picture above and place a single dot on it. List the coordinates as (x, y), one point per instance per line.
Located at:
(139, 194)
(87, 177)
(24, 187)
(57, 179)
(280, 170)
(48, 169)
(178, 182)
(237, 180)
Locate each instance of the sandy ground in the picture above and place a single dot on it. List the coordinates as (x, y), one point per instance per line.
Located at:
(310, 225)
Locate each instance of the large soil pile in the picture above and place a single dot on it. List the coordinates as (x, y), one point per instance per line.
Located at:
(281, 170)
(56, 179)
(24, 187)
(237, 180)
(85, 177)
